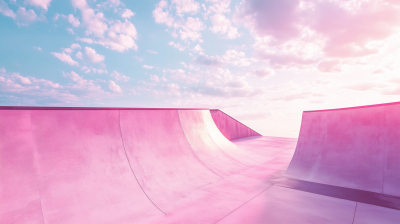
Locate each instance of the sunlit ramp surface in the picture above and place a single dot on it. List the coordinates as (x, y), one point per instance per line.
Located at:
(141, 165)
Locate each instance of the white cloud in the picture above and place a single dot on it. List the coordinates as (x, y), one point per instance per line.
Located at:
(75, 46)
(181, 76)
(152, 52)
(79, 55)
(23, 80)
(86, 40)
(173, 89)
(120, 36)
(186, 6)
(177, 45)
(161, 16)
(74, 21)
(191, 30)
(236, 58)
(5, 10)
(154, 78)
(223, 25)
(71, 31)
(237, 83)
(39, 3)
(127, 13)
(218, 6)
(109, 4)
(68, 50)
(85, 87)
(213, 61)
(26, 16)
(120, 77)
(139, 59)
(93, 56)
(94, 22)
(56, 16)
(100, 71)
(37, 48)
(22, 16)
(114, 87)
(262, 73)
(148, 66)
(197, 48)
(330, 66)
(85, 69)
(366, 86)
(65, 58)
(33, 89)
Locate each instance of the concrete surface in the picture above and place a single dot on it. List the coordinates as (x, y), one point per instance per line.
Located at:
(351, 147)
(104, 165)
(124, 165)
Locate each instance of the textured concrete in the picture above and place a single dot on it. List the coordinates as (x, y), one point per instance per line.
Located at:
(19, 190)
(351, 147)
(370, 214)
(280, 205)
(121, 165)
(91, 165)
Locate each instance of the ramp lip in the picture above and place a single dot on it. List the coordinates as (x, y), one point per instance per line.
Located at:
(90, 108)
(356, 107)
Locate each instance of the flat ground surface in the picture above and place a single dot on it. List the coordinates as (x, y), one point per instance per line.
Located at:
(257, 194)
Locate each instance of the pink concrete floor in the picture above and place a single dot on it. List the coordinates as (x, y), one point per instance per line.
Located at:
(124, 165)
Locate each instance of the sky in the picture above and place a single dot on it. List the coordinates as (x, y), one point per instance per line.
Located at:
(263, 62)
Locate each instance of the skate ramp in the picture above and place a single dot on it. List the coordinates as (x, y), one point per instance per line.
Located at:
(80, 167)
(355, 148)
(161, 157)
(115, 165)
(230, 127)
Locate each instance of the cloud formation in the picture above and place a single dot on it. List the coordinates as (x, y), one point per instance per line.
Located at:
(114, 87)
(93, 55)
(39, 3)
(223, 25)
(127, 14)
(65, 58)
(356, 31)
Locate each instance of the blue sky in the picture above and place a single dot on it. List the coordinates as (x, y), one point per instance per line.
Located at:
(263, 62)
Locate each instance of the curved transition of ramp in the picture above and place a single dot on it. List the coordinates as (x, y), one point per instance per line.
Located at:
(230, 127)
(108, 165)
(356, 147)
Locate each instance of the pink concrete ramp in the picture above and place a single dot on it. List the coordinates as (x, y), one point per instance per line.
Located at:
(133, 165)
(204, 145)
(161, 157)
(355, 148)
(114, 165)
(230, 127)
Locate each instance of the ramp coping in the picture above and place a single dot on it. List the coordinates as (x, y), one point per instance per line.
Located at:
(350, 108)
(90, 108)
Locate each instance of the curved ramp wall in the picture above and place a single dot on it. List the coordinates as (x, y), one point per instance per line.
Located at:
(355, 147)
(205, 146)
(230, 127)
(107, 165)
(161, 156)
